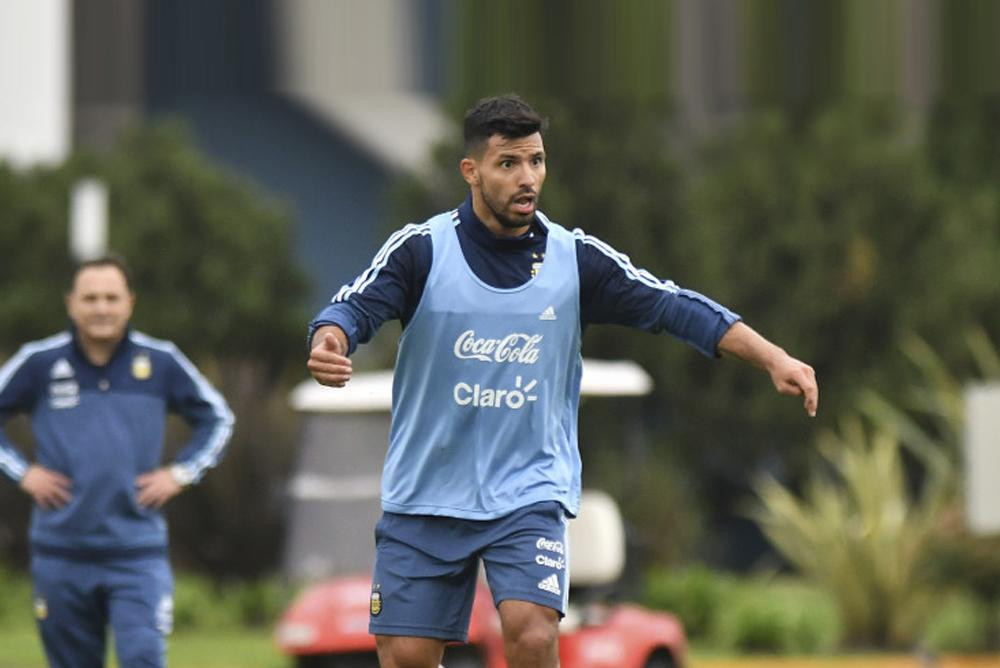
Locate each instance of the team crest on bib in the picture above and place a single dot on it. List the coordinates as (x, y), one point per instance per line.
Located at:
(41, 608)
(142, 366)
(376, 603)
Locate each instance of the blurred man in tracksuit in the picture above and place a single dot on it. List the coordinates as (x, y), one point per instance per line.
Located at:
(97, 396)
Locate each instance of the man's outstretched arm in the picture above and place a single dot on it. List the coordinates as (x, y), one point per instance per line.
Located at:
(328, 362)
(789, 375)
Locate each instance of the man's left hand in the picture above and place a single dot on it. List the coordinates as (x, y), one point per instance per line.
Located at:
(156, 488)
(794, 377)
(789, 375)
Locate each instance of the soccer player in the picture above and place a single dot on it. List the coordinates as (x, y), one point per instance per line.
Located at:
(98, 395)
(483, 460)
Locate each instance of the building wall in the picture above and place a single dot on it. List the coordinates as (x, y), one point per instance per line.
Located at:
(35, 81)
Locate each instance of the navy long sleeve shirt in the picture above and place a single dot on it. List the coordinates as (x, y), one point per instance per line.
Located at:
(101, 426)
(612, 289)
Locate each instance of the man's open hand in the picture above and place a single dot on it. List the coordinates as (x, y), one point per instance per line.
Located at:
(789, 375)
(156, 488)
(794, 377)
(49, 489)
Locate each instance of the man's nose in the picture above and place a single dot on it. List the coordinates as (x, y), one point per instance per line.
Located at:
(527, 176)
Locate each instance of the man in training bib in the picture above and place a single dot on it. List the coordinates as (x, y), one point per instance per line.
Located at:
(483, 460)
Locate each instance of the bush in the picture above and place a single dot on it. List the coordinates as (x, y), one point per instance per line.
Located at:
(694, 595)
(200, 603)
(259, 603)
(959, 625)
(857, 531)
(757, 614)
(776, 617)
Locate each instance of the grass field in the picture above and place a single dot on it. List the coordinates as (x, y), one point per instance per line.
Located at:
(848, 662)
(19, 648)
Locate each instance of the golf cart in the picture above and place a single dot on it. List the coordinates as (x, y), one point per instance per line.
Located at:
(330, 546)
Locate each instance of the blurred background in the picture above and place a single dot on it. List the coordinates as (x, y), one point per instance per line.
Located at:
(826, 168)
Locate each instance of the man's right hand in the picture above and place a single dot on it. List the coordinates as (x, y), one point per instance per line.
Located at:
(49, 489)
(328, 361)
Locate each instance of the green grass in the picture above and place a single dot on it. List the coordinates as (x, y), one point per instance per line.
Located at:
(186, 649)
(227, 628)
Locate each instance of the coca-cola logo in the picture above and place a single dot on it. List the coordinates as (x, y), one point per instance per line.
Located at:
(516, 348)
(550, 545)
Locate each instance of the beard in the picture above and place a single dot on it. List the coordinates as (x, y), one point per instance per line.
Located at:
(503, 218)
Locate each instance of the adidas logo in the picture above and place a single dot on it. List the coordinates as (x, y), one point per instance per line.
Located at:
(548, 314)
(61, 369)
(551, 585)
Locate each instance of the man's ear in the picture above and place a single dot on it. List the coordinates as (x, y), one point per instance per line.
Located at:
(470, 171)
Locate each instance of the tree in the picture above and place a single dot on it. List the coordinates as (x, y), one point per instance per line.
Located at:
(214, 272)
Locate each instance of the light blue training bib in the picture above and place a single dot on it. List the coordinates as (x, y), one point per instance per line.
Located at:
(486, 388)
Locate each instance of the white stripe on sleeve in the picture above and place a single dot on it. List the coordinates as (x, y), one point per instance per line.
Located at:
(211, 451)
(366, 277)
(623, 261)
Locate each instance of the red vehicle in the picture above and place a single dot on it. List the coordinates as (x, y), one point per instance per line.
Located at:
(335, 495)
(327, 625)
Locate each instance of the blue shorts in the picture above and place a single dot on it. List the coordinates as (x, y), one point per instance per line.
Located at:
(426, 568)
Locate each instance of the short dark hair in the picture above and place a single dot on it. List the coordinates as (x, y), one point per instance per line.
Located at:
(506, 115)
(109, 260)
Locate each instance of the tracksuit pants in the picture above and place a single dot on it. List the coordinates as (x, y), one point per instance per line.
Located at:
(76, 601)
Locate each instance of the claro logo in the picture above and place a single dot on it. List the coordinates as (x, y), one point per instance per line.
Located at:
(487, 397)
(516, 348)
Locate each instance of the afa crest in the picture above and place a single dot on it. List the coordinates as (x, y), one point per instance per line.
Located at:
(142, 366)
(376, 603)
(41, 609)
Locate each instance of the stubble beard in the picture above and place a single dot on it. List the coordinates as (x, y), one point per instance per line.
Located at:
(502, 218)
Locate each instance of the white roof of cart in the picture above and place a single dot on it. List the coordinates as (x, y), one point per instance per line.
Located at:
(372, 391)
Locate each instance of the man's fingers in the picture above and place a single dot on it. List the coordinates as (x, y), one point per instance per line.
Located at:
(320, 359)
(332, 379)
(59, 490)
(329, 371)
(47, 488)
(329, 368)
(801, 381)
(155, 488)
(809, 388)
(328, 362)
(61, 496)
(60, 480)
(812, 400)
(149, 498)
(51, 498)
